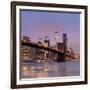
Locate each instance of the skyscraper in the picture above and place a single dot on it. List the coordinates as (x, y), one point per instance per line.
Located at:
(65, 42)
(46, 42)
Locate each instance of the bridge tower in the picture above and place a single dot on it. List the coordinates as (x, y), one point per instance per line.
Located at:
(62, 46)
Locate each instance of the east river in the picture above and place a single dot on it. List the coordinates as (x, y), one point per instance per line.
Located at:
(49, 69)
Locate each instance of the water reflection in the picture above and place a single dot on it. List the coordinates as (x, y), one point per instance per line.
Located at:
(54, 69)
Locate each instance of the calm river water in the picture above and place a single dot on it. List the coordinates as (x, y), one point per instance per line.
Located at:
(52, 69)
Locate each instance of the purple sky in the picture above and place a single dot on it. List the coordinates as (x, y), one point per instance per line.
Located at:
(37, 24)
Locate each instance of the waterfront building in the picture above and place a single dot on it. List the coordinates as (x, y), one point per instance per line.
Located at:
(60, 46)
(46, 42)
(25, 50)
(25, 39)
(57, 38)
(65, 42)
(40, 42)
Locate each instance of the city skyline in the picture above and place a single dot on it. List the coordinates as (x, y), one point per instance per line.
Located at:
(38, 24)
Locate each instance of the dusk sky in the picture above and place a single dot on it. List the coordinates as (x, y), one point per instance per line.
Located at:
(36, 24)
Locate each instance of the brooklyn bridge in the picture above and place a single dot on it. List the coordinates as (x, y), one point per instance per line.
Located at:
(31, 51)
(61, 56)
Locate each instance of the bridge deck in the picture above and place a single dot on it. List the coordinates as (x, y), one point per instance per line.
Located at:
(45, 48)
